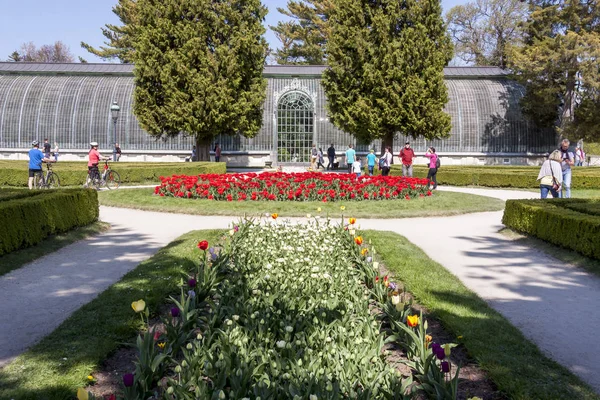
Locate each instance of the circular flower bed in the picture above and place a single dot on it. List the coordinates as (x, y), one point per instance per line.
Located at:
(280, 186)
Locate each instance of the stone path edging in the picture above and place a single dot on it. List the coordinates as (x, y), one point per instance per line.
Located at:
(550, 302)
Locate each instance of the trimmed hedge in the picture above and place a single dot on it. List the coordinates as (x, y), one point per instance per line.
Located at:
(14, 173)
(569, 223)
(28, 220)
(492, 176)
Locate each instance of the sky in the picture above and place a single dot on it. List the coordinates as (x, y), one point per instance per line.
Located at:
(73, 21)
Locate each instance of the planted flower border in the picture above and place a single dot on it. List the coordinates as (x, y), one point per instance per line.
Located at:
(268, 316)
(280, 186)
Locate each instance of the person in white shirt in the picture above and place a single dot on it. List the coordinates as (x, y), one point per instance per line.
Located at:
(551, 175)
(357, 167)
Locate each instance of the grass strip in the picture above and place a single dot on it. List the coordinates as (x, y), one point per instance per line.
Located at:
(440, 204)
(60, 363)
(565, 255)
(515, 364)
(16, 259)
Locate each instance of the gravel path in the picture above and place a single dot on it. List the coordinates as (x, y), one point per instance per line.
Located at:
(550, 302)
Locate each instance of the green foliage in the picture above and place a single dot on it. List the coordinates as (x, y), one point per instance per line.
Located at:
(198, 68)
(385, 72)
(74, 173)
(558, 66)
(570, 223)
(512, 177)
(592, 149)
(303, 38)
(28, 220)
(482, 29)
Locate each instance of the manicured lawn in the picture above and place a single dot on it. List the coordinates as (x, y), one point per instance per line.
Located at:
(515, 364)
(17, 259)
(441, 203)
(58, 365)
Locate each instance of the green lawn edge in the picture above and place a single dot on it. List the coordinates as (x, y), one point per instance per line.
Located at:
(17, 259)
(60, 363)
(440, 204)
(513, 363)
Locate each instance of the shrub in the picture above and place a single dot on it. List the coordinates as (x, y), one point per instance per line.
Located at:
(14, 173)
(28, 220)
(499, 176)
(569, 223)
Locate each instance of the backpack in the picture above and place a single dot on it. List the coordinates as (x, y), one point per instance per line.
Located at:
(437, 163)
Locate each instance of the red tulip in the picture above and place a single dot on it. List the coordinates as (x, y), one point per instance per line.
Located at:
(203, 245)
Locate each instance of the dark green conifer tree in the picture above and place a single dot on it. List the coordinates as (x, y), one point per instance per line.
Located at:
(198, 68)
(385, 75)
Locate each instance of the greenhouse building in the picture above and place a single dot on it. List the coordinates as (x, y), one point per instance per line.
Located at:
(70, 104)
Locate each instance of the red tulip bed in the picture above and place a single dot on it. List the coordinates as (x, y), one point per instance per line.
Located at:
(280, 186)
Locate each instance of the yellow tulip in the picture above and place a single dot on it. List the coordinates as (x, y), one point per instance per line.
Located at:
(90, 378)
(138, 306)
(412, 320)
(447, 350)
(364, 251)
(352, 221)
(319, 209)
(342, 208)
(82, 394)
(274, 215)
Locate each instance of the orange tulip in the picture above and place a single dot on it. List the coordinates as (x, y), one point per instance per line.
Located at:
(358, 240)
(274, 215)
(412, 320)
(352, 221)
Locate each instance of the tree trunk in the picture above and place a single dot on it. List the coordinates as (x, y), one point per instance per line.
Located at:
(387, 141)
(203, 148)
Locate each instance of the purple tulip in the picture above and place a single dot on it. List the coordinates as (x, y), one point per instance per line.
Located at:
(128, 380)
(439, 353)
(175, 312)
(393, 286)
(236, 228)
(445, 366)
(434, 346)
(192, 282)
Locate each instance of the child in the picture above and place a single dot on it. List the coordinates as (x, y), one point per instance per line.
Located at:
(356, 167)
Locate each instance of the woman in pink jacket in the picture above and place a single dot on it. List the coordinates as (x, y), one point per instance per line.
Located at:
(431, 175)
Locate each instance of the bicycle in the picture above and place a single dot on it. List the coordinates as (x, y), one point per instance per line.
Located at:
(109, 178)
(48, 181)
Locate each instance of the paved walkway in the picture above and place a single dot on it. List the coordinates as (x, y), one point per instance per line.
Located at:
(555, 305)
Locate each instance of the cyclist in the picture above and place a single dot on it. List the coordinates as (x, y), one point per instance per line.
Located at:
(94, 158)
(36, 158)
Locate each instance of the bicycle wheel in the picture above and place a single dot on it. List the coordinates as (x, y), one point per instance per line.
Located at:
(112, 179)
(53, 181)
(38, 180)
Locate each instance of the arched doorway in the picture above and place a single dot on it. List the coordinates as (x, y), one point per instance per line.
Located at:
(295, 127)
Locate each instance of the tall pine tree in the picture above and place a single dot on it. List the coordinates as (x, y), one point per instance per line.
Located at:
(304, 38)
(558, 65)
(198, 68)
(386, 61)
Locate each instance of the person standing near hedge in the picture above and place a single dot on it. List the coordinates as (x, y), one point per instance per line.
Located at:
(36, 158)
(217, 152)
(551, 175)
(568, 160)
(432, 174)
(406, 155)
(350, 156)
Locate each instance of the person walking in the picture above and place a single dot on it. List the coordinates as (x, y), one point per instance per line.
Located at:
(331, 156)
(568, 160)
(579, 157)
(350, 156)
(313, 157)
(47, 148)
(55, 151)
(432, 174)
(320, 158)
(36, 158)
(357, 167)
(406, 155)
(387, 161)
(217, 152)
(550, 175)
(371, 159)
(117, 152)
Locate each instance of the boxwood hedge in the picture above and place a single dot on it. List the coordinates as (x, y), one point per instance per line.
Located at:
(14, 173)
(500, 176)
(569, 223)
(30, 216)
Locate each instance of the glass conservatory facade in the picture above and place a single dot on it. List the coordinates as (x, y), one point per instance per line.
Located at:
(70, 104)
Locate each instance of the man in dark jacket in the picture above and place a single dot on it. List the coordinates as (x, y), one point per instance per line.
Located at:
(331, 156)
